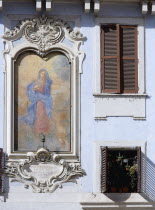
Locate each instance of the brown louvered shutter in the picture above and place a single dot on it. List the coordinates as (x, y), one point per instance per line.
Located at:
(119, 59)
(110, 59)
(129, 60)
(139, 169)
(104, 169)
(1, 170)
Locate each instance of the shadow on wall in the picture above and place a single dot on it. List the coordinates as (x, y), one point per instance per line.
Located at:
(149, 179)
(143, 200)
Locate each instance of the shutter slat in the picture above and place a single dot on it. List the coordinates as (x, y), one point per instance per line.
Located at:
(128, 41)
(1, 170)
(109, 38)
(129, 59)
(110, 77)
(128, 75)
(104, 169)
(139, 169)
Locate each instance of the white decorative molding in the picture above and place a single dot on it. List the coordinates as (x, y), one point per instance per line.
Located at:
(100, 206)
(87, 6)
(48, 5)
(42, 31)
(144, 7)
(43, 171)
(43, 35)
(119, 106)
(38, 5)
(97, 5)
(123, 105)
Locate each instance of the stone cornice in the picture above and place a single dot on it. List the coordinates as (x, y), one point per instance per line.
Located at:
(88, 4)
(76, 1)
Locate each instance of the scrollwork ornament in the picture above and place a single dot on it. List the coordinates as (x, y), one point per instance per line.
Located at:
(43, 31)
(43, 171)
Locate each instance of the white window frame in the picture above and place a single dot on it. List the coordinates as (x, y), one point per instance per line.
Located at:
(129, 105)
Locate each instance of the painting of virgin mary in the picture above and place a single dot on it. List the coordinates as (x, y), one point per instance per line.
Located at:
(39, 111)
(42, 102)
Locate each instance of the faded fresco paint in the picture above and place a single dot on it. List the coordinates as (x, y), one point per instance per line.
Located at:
(42, 102)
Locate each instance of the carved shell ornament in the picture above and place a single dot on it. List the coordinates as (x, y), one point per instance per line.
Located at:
(44, 35)
(43, 171)
(42, 31)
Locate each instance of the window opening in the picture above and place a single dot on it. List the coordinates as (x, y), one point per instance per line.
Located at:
(120, 170)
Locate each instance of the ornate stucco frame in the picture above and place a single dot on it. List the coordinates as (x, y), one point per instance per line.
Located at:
(75, 57)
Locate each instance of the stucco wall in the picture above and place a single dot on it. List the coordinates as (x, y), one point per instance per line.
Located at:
(116, 129)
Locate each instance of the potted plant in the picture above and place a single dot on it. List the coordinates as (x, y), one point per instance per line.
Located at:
(133, 177)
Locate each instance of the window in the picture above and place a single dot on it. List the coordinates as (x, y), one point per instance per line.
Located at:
(120, 170)
(125, 92)
(119, 59)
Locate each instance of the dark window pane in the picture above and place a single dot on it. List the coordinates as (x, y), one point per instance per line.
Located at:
(122, 171)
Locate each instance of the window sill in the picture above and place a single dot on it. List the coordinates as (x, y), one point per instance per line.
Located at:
(119, 201)
(120, 105)
(144, 95)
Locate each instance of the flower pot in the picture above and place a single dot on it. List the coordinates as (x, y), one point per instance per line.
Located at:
(113, 189)
(125, 189)
(120, 190)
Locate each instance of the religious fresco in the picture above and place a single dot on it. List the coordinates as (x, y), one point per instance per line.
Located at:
(42, 102)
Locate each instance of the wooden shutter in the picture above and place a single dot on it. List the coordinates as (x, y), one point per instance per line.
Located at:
(129, 60)
(119, 59)
(110, 62)
(139, 169)
(1, 170)
(104, 169)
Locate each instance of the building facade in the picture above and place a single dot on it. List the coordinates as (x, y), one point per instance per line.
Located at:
(77, 104)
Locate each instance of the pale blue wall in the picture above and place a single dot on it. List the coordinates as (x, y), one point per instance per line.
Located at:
(116, 128)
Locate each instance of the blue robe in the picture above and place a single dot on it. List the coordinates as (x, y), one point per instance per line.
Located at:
(34, 97)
